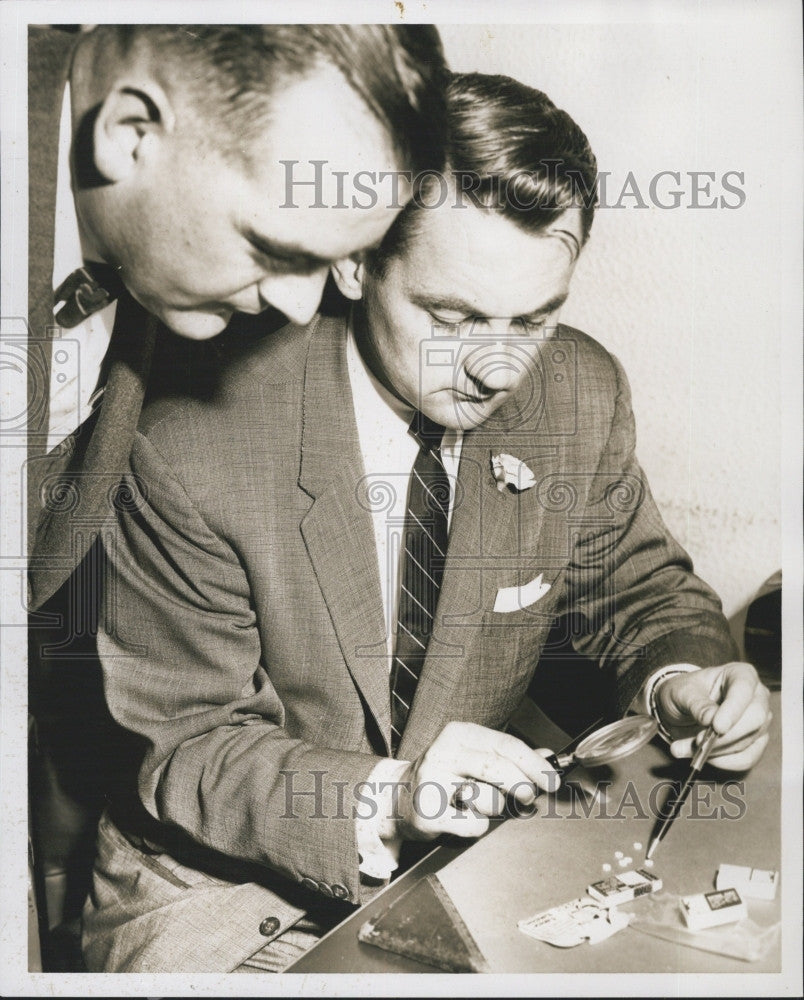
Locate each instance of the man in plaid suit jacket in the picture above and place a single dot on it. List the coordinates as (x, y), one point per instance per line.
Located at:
(248, 641)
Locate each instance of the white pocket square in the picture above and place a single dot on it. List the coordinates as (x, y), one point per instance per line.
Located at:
(519, 597)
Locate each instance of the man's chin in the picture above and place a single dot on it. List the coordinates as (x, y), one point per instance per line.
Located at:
(196, 325)
(462, 414)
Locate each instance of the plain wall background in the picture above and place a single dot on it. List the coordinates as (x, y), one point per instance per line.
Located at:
(691, 301)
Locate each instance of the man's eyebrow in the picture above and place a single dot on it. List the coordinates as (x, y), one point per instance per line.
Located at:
(288, 253)
(555, 303)
(450, 303)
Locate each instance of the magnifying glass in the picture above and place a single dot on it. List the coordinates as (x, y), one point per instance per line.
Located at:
(617, 740)
(602, 746)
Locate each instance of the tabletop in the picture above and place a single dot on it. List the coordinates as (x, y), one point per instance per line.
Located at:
(526, 865)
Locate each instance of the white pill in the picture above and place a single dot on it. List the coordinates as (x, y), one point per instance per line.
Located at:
(637, 845)
(648, 863)
(624, 862)
(618, 854)
(606, 868)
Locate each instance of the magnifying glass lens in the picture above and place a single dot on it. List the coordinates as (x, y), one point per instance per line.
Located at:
(617, 740)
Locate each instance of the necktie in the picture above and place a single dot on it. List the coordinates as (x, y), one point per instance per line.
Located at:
(424, 551)
(85, 291)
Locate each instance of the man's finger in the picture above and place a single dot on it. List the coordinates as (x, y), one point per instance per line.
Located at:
(745, 759)
(736, 745)
(754, 720)
(488, 800)
(498, 758)
(740, 687)
(463, 824)
(495, 769)
(739, 738)
(458, 738)
(433, 809)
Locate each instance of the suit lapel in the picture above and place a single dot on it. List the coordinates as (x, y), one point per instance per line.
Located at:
(95, 458)
(484, 553)
(338, 531)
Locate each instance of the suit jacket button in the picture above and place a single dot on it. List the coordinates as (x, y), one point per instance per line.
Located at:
(310, 883)
(340, 891)
(269, 926)
(323, 887)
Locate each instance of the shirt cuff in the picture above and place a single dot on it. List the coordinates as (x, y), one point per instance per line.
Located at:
(377, 843)
(645, 701)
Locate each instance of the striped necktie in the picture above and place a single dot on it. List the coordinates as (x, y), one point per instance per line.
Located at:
(423, 554)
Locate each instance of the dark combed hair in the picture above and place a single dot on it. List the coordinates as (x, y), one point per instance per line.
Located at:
(230, 70)
(509, 150)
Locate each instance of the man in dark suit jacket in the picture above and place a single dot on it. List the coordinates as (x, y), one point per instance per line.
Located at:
(157, 151)
(250, 632)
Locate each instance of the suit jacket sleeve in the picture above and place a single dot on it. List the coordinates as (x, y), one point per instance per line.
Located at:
(629, 582)
(181, 657)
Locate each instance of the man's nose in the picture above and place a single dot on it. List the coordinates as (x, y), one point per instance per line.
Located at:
(496, 365)
(296, 295)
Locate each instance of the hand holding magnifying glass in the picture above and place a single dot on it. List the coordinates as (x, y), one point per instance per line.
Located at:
(591, 749)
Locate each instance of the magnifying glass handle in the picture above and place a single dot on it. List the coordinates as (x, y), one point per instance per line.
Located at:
(560, 762)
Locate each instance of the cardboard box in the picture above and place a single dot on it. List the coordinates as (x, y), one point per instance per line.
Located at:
(751, 883)
(624, 887)
(711, 909)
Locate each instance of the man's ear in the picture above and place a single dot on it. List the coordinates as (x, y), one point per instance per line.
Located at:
(128, 121)
(349, 273)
